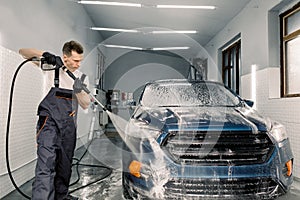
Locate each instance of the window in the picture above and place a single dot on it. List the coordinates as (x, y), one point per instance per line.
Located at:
(290, 48)
(231, 66)
(198, 69)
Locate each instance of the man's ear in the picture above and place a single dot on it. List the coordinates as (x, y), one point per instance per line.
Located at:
(65, 57)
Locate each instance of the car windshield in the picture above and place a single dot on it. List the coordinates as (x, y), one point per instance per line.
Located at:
(188, 94)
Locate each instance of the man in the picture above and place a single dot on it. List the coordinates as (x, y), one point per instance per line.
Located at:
(56, 127)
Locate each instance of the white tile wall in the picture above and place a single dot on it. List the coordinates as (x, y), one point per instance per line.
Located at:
(27, 95)
(283, 110)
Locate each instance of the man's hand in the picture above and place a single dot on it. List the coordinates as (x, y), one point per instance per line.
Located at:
(82, 97)
(49, 58)
(78, 86)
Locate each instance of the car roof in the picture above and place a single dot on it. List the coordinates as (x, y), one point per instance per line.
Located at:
(174, 81)
(183, 81)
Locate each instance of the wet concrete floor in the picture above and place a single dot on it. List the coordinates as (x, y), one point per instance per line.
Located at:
(106, 151)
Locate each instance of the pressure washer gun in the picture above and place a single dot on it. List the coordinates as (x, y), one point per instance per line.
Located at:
(58, 63)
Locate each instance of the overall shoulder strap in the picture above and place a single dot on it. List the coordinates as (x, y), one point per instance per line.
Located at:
(56, 78)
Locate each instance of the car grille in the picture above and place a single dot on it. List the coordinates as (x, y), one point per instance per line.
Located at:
(255, 188)
(218, 148)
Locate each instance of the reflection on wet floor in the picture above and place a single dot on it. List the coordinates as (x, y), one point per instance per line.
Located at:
(106, 151)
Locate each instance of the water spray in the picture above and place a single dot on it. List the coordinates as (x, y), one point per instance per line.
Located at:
(119, 123)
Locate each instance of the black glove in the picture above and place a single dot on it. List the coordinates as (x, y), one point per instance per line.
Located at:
(78, 86)
(49, 58)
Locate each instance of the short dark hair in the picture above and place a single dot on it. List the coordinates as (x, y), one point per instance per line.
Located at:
(72, 46)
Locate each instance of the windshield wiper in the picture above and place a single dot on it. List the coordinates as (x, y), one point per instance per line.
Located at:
(165, 106)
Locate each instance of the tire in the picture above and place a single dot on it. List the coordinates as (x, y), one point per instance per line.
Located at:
(126, 193)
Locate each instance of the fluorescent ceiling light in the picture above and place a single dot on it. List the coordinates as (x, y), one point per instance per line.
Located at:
(109, 3)
(187, 7)
(140, 31)
(114, 29)
(123, 47)
(167, 32)
(139, 48)
(138, 5)
(169, 48)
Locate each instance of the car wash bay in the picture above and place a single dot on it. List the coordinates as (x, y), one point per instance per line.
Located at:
(240, 47)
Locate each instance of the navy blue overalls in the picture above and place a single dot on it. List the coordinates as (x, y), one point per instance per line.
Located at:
(56, 141)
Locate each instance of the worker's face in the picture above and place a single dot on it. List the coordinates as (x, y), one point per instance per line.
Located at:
(73, 62)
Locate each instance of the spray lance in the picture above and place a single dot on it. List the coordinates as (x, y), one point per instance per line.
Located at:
(59, 64)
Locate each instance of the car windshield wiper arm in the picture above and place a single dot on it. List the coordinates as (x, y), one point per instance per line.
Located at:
(171, 106)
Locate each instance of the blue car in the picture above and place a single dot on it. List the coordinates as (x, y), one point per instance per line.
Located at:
(199, 140)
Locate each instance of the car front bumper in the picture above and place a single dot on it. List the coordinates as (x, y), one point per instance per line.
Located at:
(259, 181)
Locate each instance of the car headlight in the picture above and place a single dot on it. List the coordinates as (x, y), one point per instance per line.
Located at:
(139, 170)
(278, 132)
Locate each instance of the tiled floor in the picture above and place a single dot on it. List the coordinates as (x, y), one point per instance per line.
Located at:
(106, 151)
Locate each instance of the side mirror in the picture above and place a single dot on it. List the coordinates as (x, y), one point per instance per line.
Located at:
(131, 107)
(249, 102)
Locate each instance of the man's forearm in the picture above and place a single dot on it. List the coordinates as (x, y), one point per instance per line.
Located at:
(29, 53)
(83, 99)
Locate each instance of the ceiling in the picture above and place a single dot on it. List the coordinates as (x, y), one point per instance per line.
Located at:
(207, 23)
